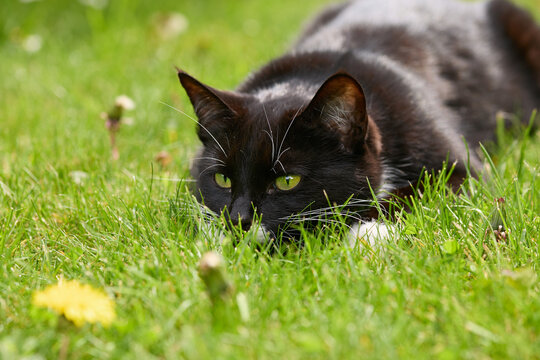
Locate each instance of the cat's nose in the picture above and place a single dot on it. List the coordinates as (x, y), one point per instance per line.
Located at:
(245, 224)
(242, 213)
(242, 221)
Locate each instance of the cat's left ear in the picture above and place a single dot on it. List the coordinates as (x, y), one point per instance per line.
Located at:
(214, 108)
(340, 105)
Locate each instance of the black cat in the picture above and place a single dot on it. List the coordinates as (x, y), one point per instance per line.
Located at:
(373, 93)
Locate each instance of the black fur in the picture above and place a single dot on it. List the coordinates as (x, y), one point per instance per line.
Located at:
(373, 93)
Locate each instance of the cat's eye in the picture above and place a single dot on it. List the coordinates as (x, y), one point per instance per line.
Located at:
(287, 182)
(222, 180)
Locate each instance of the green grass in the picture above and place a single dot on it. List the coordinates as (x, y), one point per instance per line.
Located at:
(443, 288)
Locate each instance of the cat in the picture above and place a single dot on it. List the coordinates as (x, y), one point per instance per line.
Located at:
(372, 94)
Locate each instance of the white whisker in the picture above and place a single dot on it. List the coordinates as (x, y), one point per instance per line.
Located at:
(287, 132)
(282, 167)
(208, 168)
(270, 134)
(171, 179)
(210, 158)
(325, 221)
(283, 152)
(201, 125)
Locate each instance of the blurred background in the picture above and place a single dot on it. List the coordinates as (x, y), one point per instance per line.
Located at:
(63, 62)
(68, 209)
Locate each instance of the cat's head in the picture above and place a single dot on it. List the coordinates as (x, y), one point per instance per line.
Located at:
(286, 158)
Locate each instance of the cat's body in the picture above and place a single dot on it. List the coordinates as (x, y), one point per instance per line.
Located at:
(372, 93)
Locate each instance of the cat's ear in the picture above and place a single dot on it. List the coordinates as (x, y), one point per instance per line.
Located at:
(214, 108)
(340, 105)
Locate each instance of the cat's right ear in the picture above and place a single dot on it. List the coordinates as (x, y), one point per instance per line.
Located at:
(215, 109)
(340, 106)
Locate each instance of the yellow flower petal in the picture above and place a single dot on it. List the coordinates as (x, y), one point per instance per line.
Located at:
(77, 302)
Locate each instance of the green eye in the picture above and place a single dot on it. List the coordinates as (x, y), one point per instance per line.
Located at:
(287, 182)
(222, 181)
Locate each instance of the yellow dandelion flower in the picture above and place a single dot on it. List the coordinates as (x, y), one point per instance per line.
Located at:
(79, 303)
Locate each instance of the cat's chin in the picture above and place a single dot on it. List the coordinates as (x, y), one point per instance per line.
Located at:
(371, 235)
(262, 236)
(257, 235)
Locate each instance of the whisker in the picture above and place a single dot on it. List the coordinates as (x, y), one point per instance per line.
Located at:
(326, 222)
(210, 158)
(336, 207)
(198, 211)
(322, 218)
(209, 167)
(287, 131)
(328, 215)
(201, 125)
(272, 142)
(171, 179)
(281, 153)
(271, 134)
(282, 167)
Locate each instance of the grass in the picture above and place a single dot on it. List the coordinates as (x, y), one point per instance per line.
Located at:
(443, 288)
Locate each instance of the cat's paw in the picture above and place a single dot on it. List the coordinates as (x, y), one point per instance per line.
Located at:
(371, 234)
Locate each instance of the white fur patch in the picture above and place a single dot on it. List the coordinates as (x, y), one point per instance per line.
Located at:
(262, 236)
(285, 89)
(372, 234)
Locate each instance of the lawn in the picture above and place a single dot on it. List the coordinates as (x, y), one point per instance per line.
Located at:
(444, 287)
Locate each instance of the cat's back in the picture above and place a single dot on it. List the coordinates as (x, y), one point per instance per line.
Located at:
(335, 28)
(431, 39)
(453, 57)
(421, 14)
